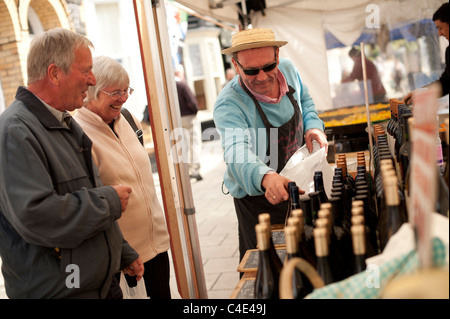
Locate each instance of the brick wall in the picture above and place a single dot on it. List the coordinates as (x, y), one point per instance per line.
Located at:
(15, 38)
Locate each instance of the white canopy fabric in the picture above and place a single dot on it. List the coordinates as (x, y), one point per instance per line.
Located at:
(306, 47)
(303, 23)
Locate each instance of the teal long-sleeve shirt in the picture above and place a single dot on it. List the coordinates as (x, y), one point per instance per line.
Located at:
(243, 134)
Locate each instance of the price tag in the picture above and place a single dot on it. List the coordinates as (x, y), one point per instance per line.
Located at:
(423, 175)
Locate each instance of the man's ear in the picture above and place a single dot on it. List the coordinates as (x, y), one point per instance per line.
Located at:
(53, 73)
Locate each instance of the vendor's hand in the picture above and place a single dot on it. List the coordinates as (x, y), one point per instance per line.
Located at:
(317, 135)
(136, 268)
(276, 187)
(408, 98)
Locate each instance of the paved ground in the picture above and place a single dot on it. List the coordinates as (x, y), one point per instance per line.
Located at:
(217, 226)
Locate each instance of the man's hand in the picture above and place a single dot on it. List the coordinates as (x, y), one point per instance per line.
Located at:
(124, 194)
(276, 187)
(136, 268)
(317, 135)
(408, 98)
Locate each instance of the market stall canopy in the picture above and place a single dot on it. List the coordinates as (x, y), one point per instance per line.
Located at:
(307, 23)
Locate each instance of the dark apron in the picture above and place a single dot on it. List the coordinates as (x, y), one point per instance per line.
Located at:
(290, 139)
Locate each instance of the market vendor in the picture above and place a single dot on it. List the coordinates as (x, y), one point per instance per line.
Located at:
(263, 116)
(441, 19)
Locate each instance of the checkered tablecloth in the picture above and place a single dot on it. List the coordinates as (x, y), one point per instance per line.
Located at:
(370, 283)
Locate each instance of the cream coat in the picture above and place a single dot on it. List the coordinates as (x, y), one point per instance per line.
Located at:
(121, 159)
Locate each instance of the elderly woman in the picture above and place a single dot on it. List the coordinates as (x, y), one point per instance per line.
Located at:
(122, 159)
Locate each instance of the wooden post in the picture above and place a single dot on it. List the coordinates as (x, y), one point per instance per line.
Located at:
(160, 126)
(165, 120)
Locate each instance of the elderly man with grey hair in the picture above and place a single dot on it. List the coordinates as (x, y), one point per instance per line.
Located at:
(59, 236)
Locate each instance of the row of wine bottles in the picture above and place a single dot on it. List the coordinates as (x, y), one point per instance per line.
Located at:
(338, 231)
(336, 234)
(335, 254)
(397, 139)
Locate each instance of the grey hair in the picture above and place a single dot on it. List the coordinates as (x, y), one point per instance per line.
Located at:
(107, 72)
(56, 46)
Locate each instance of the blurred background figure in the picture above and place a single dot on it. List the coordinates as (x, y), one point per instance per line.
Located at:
(379, 93)
(441, 19)
(230, 73)
(190, 123)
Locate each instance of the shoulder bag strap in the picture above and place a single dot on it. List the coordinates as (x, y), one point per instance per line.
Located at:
(129, 118)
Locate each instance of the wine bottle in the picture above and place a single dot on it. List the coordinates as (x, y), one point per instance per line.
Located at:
(315, 204)
(322, 253)
(336, 256)
(406, 186)
(359, 206)
(341, 233)
(305, 242)
(442, 199)
(447, 166)
(403, 109)
(301, 286)
(268, 273)
(393, 213)
(338, 181)
(443, 191)
(405, 150)
(371, 220)
(343, 158)
(359, 248)
(264, 218)
(319, 187)
(294, 199)
(294, 196)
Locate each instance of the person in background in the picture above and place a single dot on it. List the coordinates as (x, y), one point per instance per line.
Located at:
(378, 90)
(230, 73)
(59, 236)
(263, 115)
(441, 19)
(190, 123)
(121, 158)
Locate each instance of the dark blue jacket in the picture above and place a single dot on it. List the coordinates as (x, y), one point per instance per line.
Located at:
(51, 197)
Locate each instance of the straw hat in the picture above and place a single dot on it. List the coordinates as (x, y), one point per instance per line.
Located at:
(251, 39)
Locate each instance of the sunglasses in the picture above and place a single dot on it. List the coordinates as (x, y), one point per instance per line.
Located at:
(266, 68)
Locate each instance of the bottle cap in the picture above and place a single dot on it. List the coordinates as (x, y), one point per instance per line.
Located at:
(290, 234)
(264, 218)
(297, 213)
(357, 210)
(298, 222)
(391, 191)
(357, 220)
(324, 213)
(320, 242)
(322, 222)
(262, 237)
(357, 203)
(358, 239)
